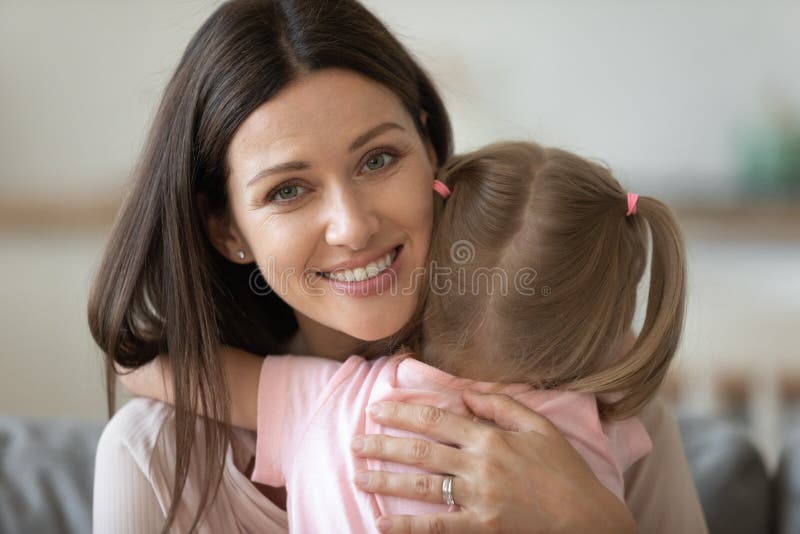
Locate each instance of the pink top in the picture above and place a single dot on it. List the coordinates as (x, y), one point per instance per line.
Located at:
(309, 409)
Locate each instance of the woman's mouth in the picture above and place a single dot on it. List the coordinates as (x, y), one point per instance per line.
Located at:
(365, 272)
(373, 279)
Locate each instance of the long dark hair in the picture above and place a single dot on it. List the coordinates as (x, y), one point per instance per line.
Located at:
(161, 287)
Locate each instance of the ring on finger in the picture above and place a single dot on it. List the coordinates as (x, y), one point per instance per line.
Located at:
(447, 490)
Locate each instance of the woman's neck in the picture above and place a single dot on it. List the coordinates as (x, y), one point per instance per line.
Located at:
(315, 339)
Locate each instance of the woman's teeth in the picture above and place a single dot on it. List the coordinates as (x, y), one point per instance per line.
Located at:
(366, 272)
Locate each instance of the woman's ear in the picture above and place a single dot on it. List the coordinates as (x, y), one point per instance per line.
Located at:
(224, 233)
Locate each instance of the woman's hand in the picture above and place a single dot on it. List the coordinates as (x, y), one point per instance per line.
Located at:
(521, 477)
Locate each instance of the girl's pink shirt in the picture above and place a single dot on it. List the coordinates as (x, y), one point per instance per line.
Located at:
(309, 409)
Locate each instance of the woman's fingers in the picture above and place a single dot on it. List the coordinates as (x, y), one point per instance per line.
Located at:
(422, 453)
(430, 421)
(506, 413)
(445, 523)
(419, 487)
(516, 478)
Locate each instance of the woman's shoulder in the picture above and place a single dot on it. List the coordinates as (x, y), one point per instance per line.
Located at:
(659, 489)
(137, 418)
(146, 430)
(138, 447)
(122, 466)
(136, 428)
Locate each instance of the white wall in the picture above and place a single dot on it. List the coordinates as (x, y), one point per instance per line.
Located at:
(80, 83)
(658, 89)
(49, 364)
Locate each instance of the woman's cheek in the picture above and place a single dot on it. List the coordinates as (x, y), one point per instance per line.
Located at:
(411, 197)
(281, 261)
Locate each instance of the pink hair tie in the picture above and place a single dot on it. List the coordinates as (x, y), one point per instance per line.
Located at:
(441, 188)
(633, 198)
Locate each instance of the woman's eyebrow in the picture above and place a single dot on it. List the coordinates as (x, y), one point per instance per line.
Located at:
(294, 166)
(364, 138)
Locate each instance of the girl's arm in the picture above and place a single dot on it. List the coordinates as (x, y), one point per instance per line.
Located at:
(154, 380)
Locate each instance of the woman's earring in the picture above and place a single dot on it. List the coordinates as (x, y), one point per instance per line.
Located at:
(240, 254)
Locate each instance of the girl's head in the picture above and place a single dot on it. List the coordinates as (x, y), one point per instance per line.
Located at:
(321, 93)
(534, 267)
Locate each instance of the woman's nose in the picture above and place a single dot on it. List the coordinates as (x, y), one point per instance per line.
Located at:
(352, 220)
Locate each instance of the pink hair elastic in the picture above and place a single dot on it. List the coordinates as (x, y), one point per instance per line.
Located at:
(633, 199)
(441, 188)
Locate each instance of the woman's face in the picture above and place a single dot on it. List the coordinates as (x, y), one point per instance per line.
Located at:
(330, 189)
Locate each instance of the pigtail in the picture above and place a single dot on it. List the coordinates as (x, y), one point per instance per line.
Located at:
(634, 379)
(486, 206)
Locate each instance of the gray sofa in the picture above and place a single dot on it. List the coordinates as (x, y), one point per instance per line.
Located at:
(46, 470)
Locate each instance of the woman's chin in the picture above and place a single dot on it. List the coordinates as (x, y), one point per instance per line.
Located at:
(374, 331)
(374, 334)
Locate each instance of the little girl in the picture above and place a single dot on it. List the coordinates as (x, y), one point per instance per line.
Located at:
(533, 271)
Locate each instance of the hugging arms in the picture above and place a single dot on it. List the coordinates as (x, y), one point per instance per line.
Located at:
(290, 143)
(525, 476)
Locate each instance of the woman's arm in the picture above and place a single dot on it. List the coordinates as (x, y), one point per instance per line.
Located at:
(522, 476)
(154, 380)
(124, 501)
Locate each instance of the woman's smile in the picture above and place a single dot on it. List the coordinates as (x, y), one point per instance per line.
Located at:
(367, 280)
(358, 269)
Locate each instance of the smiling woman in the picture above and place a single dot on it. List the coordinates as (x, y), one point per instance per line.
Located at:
(354, 178)
(264, 84)
(302, 148)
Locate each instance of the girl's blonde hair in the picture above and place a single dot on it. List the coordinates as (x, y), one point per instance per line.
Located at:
(543, 269)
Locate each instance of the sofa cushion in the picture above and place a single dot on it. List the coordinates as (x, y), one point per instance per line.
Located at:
(46, 475)
(786, 491)
(730, 475)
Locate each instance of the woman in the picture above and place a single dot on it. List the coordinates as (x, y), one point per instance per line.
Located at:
(295, 138)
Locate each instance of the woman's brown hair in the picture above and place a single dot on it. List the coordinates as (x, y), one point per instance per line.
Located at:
(161, 287)
(538, 267)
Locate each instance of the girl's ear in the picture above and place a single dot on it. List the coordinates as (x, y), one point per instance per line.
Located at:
(423, 118)
(224, 233)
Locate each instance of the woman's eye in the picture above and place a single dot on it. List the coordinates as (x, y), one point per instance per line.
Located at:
(378, 161)
(286, 193)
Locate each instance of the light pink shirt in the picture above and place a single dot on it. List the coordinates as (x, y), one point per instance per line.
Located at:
(309, 409)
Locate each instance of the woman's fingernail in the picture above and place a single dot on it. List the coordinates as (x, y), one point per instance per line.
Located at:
(362, 478)
(375, 409)
(357, 444)
(384, 524)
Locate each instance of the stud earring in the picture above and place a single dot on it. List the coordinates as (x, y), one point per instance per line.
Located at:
(240, 254)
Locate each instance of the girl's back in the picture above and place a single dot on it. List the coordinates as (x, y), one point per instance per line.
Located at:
(310, 409)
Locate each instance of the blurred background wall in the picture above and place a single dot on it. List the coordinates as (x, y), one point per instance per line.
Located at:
(695, 102)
